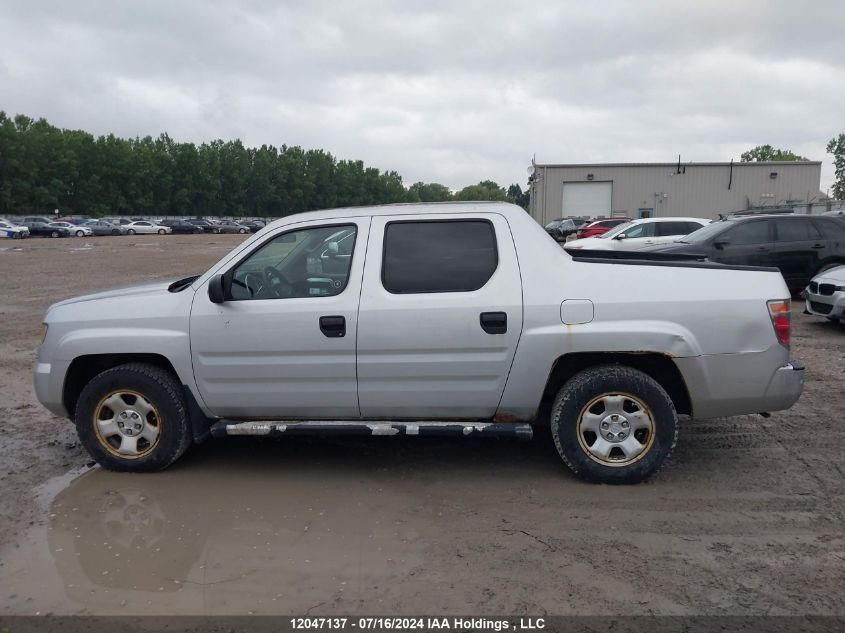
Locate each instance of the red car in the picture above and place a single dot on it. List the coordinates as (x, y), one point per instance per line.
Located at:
(600, 226)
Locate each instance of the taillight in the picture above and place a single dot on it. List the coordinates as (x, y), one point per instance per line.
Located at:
(781, 314)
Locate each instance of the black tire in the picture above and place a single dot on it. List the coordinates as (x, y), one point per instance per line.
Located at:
(161, 231)
(162, 390)
(130, 231)
(16, 236)
(80, 233)
(573, 442)
(54, 234)
(241, 230)
(215, 230)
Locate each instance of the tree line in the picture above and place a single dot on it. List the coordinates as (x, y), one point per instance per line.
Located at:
(43, 167)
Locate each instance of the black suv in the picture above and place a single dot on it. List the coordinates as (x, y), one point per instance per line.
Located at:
(801, 246)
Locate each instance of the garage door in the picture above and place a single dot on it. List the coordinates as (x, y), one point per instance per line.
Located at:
(587, 198)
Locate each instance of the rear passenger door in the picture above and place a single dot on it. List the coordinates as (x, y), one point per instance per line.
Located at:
(440, 316)
(673, 230)
(797, 250)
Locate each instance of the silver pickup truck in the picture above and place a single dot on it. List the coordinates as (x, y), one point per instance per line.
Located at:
(455, 318)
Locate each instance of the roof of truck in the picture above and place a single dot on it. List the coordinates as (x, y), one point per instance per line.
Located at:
(405, 208)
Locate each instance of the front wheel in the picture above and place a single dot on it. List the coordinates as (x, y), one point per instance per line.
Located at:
(130, 232)
(614, 424)
(241, 230)
(17, 236)
(161, 231)
(80, 233)
(133, 418)
(54, 234)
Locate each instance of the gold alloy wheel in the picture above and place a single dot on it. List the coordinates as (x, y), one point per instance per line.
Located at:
(615, 429)
(126, 424)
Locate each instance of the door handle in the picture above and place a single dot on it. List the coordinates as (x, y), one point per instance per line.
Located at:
(818, 246)
(494, 322)
(762, 248)
(333, 326)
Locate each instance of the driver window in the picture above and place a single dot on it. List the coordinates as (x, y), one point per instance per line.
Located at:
(311, 262)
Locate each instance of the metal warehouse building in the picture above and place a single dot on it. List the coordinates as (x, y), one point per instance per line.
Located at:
(662, 189)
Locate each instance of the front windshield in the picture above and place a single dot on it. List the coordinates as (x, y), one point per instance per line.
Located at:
(705, 232)
(617, 230)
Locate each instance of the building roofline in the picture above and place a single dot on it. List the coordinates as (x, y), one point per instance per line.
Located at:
(687, 164)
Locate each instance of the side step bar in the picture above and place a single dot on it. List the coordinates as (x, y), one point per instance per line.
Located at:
(225, 428)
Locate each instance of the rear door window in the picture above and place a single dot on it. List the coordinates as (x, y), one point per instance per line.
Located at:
(756, 232)
(438, 256)
(795, 230)
(830, 228)
(665, 229)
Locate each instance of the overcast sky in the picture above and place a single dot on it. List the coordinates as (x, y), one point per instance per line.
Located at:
(452, 92)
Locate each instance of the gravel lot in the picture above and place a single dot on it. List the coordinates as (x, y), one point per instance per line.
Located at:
(747, 518)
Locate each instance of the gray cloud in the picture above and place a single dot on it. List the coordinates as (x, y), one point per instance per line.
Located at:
(440, 91)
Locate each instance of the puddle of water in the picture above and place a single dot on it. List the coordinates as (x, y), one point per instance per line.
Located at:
(217, 537)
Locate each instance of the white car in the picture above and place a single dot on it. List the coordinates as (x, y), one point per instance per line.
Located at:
(75, 229)
(825, 294)
(143, 226)
(637, 234)
(7, 229)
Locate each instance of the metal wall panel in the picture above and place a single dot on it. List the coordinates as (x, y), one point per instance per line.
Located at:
(700, 190)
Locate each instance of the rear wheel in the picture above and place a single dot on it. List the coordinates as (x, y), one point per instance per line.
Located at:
(17, 236)
(133, 418)
(130, 232)
(161, 231)
(613, 424)
(80, 233)
(54, 234)
(241, 230)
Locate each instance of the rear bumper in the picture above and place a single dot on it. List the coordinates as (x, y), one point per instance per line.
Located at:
(736, 384)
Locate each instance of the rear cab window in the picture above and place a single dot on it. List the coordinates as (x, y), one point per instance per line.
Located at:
(426, 256)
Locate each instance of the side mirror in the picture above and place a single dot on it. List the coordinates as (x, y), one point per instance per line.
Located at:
(217, 290)
(621, 236)
(332, 249)
(721, 243)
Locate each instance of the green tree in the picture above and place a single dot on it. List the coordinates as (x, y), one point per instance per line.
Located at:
(836, 146)
(486, 190)
(518, 196)
(764, 153)
(429, 192)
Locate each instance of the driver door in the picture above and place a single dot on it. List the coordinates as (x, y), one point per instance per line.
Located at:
(282, 344)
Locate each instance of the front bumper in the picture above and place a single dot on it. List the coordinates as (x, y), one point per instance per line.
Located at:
(48, 380)
(830, 306)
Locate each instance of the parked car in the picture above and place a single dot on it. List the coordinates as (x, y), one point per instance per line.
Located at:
(230, 226)
(118, 221)
(16, 232)
(825, 294)
(205, 225)
(145, 226)
(637, 234)
(254, 225)
(800, 246)
(597, 227)
(180, 226)
(421, 319)
(47, 229)
(561, 228)
(37, 224)
(103, 227)
(73, 229)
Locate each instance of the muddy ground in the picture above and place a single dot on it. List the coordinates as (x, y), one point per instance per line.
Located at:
(747, 518)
